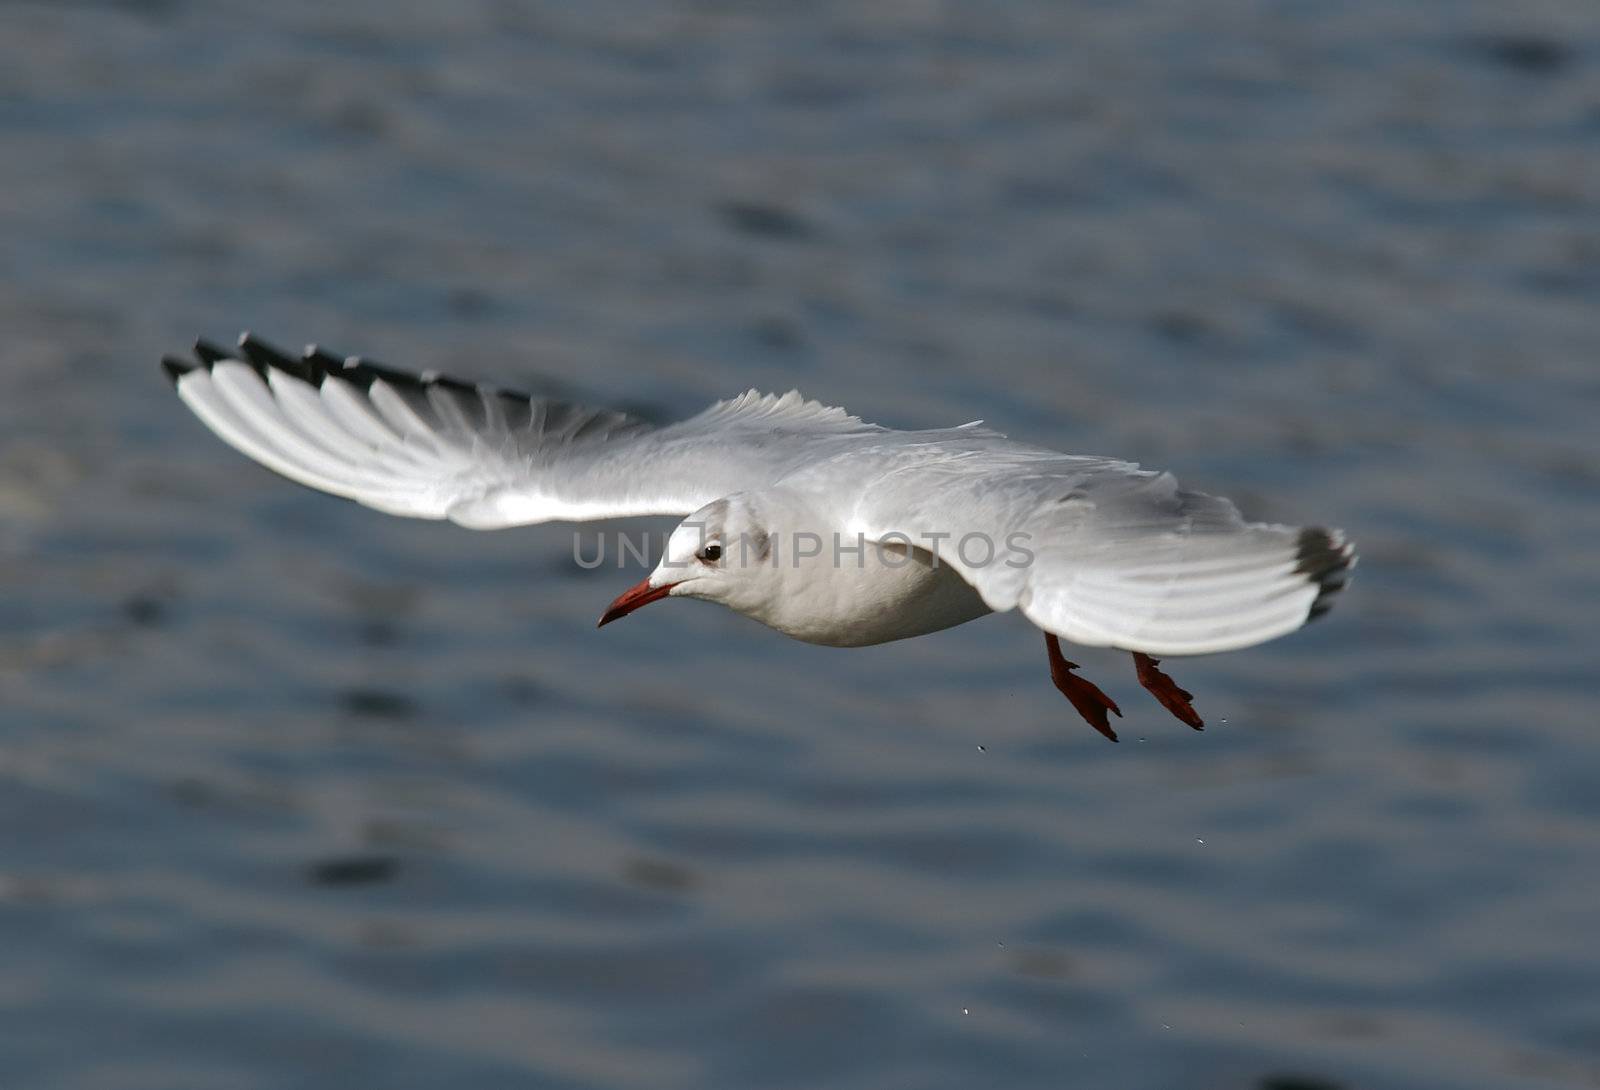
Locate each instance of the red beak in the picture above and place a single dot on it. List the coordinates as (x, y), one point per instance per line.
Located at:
(641, 594)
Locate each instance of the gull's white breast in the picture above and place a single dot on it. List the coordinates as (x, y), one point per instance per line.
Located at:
(883, 593)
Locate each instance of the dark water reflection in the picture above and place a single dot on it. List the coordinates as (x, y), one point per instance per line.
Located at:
(296, 795)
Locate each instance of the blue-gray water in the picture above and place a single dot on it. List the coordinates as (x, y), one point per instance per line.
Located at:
(296, 795)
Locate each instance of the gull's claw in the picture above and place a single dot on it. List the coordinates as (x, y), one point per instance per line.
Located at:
(1084, 694)
(1164, 689)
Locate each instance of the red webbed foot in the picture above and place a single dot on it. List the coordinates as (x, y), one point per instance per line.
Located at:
(1164, 689)
(1084, 694)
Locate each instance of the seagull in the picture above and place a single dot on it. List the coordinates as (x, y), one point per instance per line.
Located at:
(817, 524)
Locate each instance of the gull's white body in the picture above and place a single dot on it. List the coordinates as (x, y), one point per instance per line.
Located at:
(1115, 555)
(877, 603)
(786, 565)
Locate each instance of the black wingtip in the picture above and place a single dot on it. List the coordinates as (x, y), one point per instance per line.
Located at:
(255, 352)
(325, 362)
(208, 353)
(1325, 558)
(450, 382)
(264, 357)
(364, 372)
(315, 364)
(176, 367)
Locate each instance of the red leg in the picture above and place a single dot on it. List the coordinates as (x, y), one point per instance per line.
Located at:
(1085, 695)
(1164, 689)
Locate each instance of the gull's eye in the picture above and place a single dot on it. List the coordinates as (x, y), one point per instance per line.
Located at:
(711, 553)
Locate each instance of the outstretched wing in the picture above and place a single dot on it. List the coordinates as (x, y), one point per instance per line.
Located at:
(434, 447)
(1103, 553)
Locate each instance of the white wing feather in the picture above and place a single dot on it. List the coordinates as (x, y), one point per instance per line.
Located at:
(431, 447)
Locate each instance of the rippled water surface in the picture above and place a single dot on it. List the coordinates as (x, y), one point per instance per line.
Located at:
(296, 795)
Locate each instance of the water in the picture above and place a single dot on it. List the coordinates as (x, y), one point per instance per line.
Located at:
(295, 795)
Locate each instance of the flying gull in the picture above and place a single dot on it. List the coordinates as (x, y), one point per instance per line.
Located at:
(806, 518)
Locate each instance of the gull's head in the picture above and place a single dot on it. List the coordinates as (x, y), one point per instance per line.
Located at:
(718, 553)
